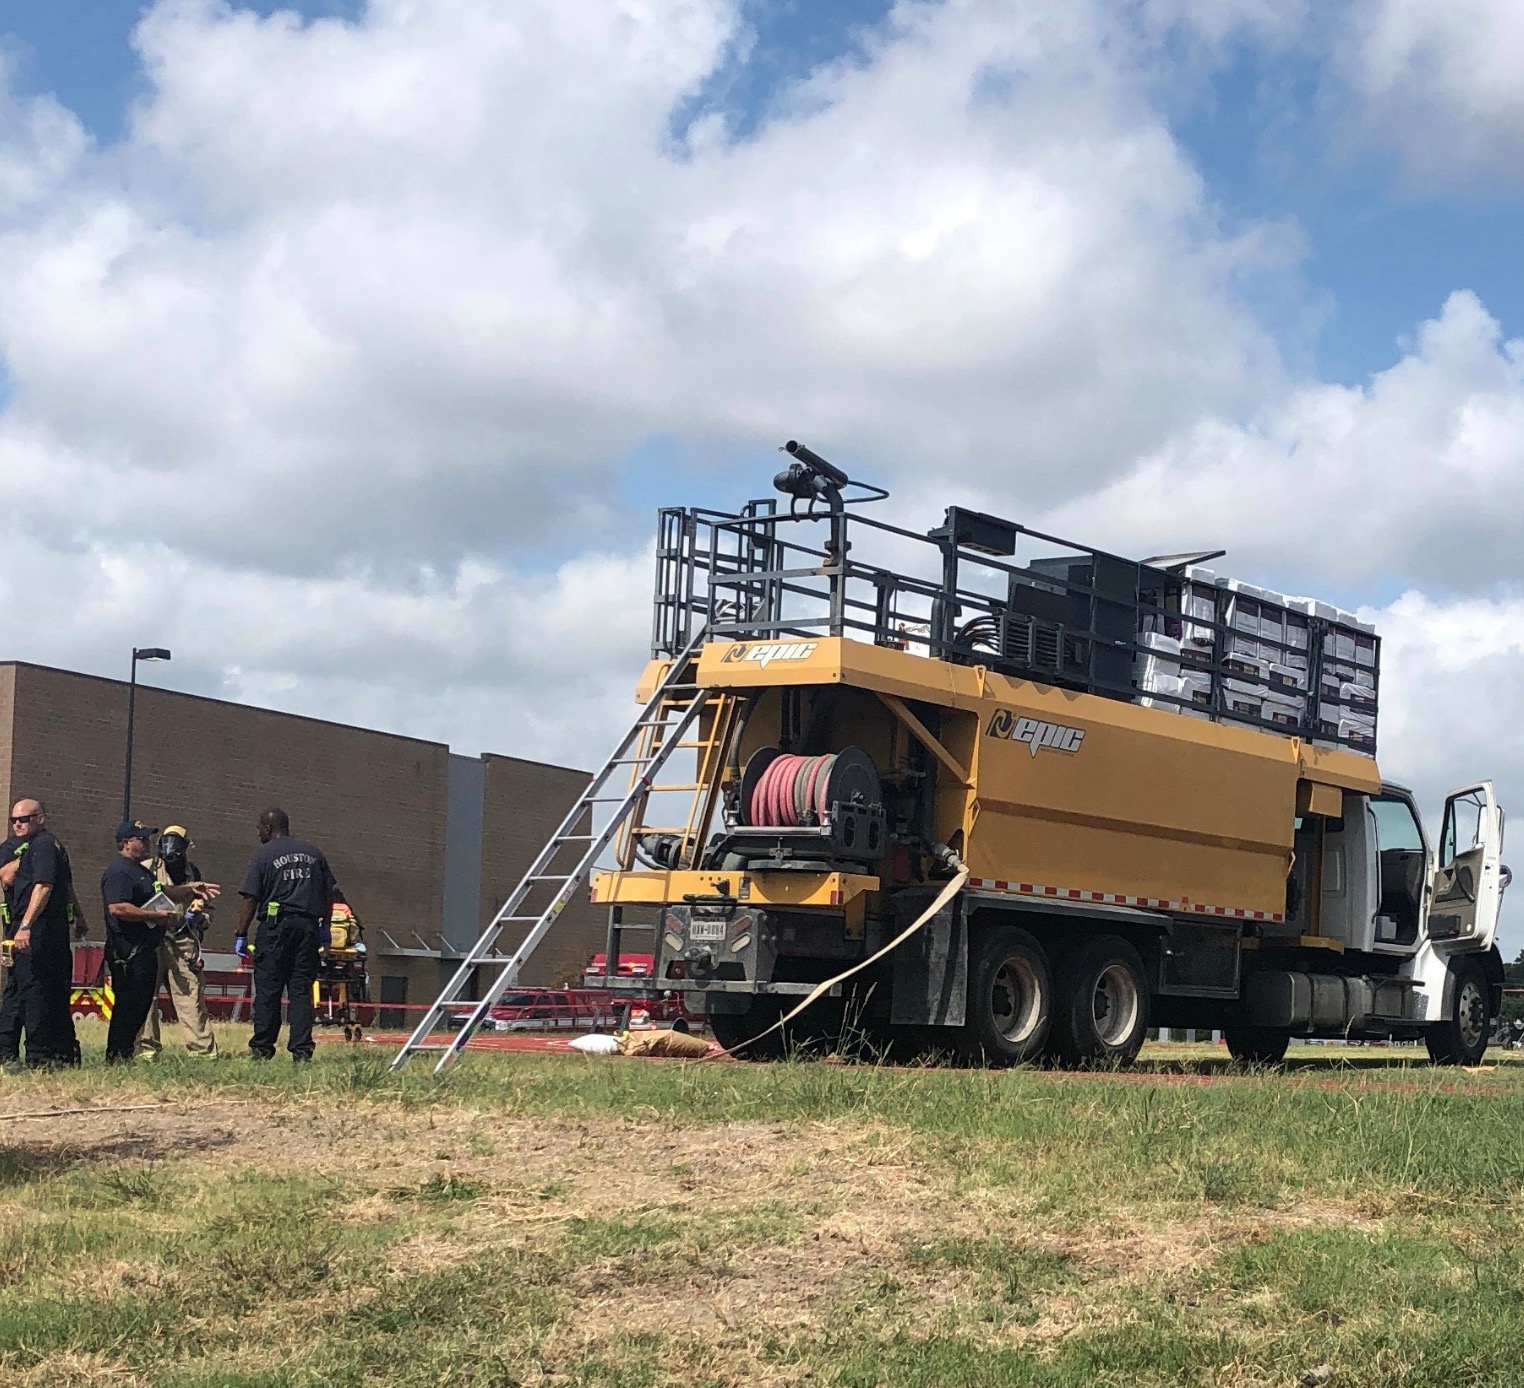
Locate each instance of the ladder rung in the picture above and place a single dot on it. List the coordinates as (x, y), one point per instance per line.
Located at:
(669, 714)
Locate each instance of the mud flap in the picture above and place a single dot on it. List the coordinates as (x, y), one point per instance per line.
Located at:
(931, 967)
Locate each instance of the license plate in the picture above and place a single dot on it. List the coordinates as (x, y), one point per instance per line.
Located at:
(706, 930)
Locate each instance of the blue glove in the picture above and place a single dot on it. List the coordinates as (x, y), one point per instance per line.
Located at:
(325, 935)
(241, 945)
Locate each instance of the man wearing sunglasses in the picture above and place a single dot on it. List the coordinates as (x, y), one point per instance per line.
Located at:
(133, 932)
(11, 1011)
(41, 907)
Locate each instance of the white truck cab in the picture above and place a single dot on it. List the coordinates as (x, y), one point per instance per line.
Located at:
(1413, 929)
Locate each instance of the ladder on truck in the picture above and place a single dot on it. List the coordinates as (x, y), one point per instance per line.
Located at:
(623, 782)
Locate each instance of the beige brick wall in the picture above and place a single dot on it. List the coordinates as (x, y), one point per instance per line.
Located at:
(525, 802)
(374, 802)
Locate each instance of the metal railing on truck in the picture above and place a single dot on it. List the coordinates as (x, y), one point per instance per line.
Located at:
(982, 590)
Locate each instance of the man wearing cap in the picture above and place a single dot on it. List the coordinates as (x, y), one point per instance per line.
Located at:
(134, 930)
(289, 887)
(41, 907)
(180, 961)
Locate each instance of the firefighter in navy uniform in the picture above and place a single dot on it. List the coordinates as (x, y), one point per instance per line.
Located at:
(134, 931)
(288, 892)
(42, 904)
(11, 1017)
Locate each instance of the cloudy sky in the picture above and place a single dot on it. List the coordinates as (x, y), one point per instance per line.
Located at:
(347, 348)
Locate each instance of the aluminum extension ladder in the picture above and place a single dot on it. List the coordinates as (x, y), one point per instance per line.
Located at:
(657, 732)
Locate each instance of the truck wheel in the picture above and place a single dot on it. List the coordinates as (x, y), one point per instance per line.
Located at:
(1102, 1012)
(735, 1029)
(1461, 1038)
(1256, 1045)
(1010, 999)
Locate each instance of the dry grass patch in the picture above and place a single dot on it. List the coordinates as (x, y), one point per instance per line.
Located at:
(631, 1226)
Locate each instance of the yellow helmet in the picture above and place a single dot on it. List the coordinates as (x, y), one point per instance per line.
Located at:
(175, 842)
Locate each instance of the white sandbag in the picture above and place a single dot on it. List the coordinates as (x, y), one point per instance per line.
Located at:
(595, 1045)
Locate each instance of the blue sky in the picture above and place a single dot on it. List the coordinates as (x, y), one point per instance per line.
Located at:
(1379, 258)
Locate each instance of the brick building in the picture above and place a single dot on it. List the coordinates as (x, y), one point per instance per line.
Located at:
(425, 843)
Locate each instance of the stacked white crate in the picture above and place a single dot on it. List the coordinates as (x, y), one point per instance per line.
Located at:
(1346, 691)
(1272, 656)
(1156, 670)
(1200, 604)
(1267, 660)
(1246, 657)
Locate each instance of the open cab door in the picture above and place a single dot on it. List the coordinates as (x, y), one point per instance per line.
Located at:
(1467, 888)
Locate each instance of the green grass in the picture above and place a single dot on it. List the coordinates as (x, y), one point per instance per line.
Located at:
(548, 1220)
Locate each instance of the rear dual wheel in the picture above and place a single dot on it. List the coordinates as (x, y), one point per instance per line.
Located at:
(1091, 1010)
(749, 1034)
(1102, 1013)
(1010, 998)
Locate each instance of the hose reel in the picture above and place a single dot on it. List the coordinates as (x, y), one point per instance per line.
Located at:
(830, 805)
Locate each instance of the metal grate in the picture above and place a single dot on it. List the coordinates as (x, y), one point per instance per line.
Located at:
(1200, 960)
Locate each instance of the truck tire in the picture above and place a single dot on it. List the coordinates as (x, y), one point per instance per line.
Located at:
(1461, 1039)
(1101, 1017)
(1010, 999)
(734, 1029)
(1256, 1045)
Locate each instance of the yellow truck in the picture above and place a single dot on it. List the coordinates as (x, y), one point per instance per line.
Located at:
(879, 710)
(981, 789)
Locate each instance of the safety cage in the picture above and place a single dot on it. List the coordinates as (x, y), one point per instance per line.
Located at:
(982, 590)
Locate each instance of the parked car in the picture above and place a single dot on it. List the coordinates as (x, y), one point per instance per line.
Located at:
(656, 1008)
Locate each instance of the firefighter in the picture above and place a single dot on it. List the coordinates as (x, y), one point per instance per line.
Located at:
(41, 907)
(289, 888)
(10, 982)
(134, 930)
(180, 960)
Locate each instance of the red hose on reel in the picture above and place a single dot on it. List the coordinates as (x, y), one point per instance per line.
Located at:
(791, 790)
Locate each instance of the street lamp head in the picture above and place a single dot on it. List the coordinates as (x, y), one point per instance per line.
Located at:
(150, 653)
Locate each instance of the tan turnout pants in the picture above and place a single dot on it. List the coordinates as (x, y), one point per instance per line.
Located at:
(180, 972)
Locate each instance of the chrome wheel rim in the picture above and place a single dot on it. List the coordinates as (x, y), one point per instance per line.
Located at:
(1016, 1000)
(1115, 1004)
(1471, 1015)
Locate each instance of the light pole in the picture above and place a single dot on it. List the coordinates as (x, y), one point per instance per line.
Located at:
(146, 653)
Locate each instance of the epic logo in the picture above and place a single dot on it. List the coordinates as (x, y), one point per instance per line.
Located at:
(1035, 733)
(763, 653)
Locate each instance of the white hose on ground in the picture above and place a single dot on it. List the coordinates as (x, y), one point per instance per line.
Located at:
(947, 893)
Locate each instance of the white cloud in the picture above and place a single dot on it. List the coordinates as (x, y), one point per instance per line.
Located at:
(1439, 84)
(1452, 678)
(402, 268)
(357, 311)
(1415, 478)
